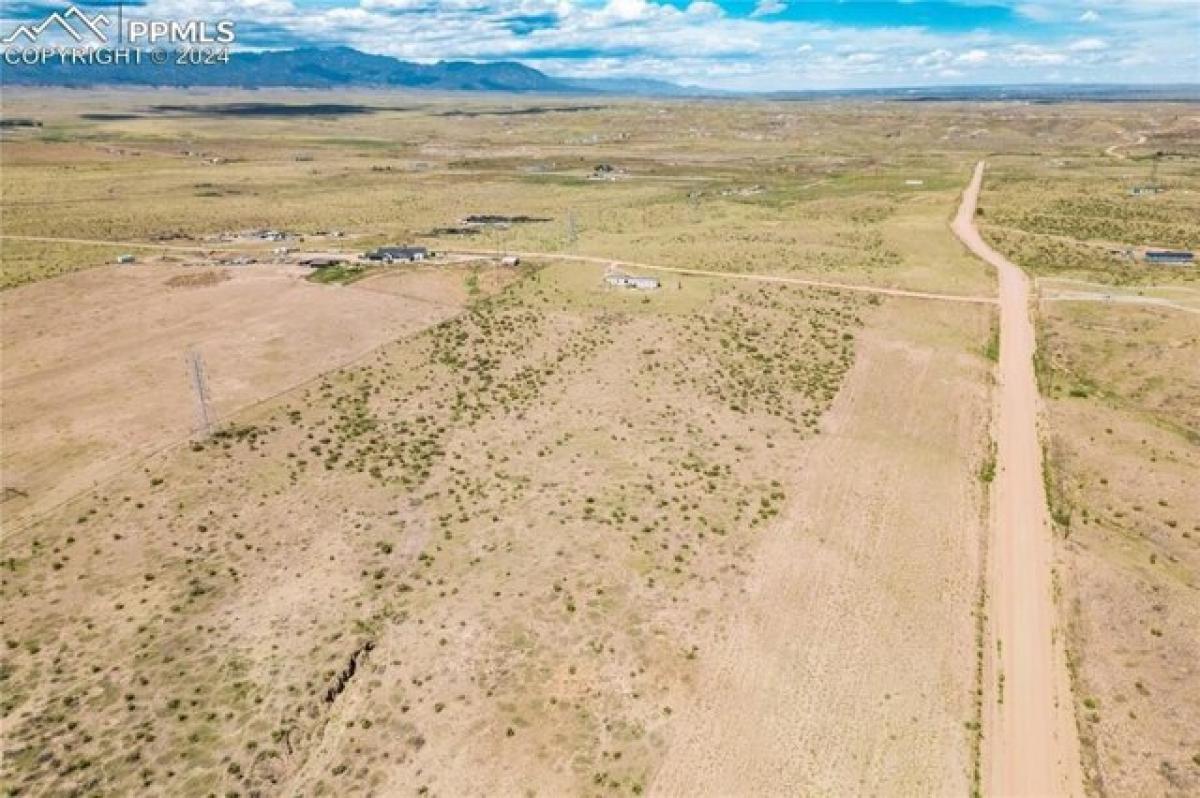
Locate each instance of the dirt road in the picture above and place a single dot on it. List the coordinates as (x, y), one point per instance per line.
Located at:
(1169, 297)
(1116, 298)
(99, 242)
(761, 278)
(1031, 746)
(767, 278)
(1114, 150)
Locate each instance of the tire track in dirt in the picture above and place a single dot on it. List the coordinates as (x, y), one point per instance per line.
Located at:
(1030, 742)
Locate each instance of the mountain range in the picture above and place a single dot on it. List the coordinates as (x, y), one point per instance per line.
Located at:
(332, 67)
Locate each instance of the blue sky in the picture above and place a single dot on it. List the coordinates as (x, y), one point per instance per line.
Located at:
(742, 44)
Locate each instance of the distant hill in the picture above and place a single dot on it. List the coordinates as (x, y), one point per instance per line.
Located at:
(307, 67)
(1033, 93)
(642, 87)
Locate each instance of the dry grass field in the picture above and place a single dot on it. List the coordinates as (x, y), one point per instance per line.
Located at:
(1124, 443)
(466, 529)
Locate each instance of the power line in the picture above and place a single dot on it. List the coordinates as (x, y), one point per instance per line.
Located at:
(205, 415)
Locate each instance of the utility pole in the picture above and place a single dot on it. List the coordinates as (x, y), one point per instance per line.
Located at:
(205, 415)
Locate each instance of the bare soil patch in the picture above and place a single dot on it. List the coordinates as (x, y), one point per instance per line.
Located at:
(94, 362)
(847, 664)
(197, 279)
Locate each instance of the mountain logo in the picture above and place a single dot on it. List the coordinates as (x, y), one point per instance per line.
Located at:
(80, 30)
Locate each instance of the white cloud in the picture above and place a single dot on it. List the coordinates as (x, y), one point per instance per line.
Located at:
(627, 9)
(1033, 55)
(703, 8)
(1087, 45)
(863, 58)
(933, 58)
(697, 42)
(766, 8)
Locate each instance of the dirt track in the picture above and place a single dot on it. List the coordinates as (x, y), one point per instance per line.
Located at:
(129, 244)
(1114, 150)
(1031, 745)
(761, 278)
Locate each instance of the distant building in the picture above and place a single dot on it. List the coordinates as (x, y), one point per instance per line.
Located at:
(125, 259)
(626, 281)
(1169, 256)
(265, 235)
(1142, 191)
(510, 260)
(321, 263)
(392, 254)
(603, 171)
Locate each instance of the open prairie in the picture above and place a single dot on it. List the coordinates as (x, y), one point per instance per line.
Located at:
(476, 527)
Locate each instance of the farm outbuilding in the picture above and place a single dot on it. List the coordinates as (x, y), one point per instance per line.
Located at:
(321, 263)
(1169, 256)
(393, 254)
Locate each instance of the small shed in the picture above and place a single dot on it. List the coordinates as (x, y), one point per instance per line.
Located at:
(125, 259)
(510, 260)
